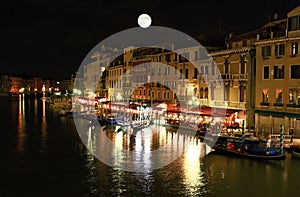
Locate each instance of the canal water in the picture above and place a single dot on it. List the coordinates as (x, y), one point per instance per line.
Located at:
(42, 155)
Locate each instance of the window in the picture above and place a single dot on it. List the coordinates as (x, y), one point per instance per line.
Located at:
(294, 48)
(148, 93)
(158, 73)
(153, 72)
(165, 95)
(202, 70)
(266, 72)
(175, 71)
(265, 97)
(201, 93)
(294, 97)
(226, 64)
(174, 85)
(278, 72)
(166, 71)
(158, 84)
(279, 50)
(152, 94)
(242, 65)
(180, 77)
(175, 56)
(206, 70)
(226, 93)
(186, 55)
(295, 72)
(293, 23)
(168, 95)
(186, 73)
(158, 95)
(195, 73)
(166, 84)
(278, 96)
(196, 55)
(242, 94)
(212, 69)
(167, 57)
(266, 51)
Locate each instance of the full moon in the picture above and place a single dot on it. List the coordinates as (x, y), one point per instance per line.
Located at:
(144, 20)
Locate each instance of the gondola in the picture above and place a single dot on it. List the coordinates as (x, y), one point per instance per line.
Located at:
(242, 152)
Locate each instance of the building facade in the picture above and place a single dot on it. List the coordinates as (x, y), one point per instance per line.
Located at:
(278, 78)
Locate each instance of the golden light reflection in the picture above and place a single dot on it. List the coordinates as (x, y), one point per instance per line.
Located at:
(36, 109)
(21, 125)
(43, 127)
(191, 167)
(117, 151)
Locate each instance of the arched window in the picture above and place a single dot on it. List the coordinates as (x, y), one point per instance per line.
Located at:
(206, 93)
(201, 93)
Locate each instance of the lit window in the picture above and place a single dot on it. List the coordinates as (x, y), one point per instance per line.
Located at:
(265, 96)
(294, 48)
(278, 95)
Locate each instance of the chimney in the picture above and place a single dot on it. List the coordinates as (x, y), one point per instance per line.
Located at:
(275, 16)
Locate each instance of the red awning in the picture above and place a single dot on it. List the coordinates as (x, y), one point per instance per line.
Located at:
(204, 111)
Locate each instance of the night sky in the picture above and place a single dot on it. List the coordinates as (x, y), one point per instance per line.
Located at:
(50, 38)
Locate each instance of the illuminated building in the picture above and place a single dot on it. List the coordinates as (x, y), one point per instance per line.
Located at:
(278, 75)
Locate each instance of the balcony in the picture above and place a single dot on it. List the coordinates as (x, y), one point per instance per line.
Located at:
(225, 77)
(232, 104)
(208, 77)
(240, 76)
(203, 102)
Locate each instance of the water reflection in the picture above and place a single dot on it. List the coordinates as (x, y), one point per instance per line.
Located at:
(44, 134)
(36, 174)
(21, 135)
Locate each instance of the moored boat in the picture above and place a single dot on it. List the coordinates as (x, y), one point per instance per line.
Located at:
(266, 154)
(295, 154)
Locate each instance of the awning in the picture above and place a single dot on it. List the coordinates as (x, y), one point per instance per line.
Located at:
(205, 111)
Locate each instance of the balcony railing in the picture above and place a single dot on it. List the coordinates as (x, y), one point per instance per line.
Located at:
(233, 104)
(240, 76)
(203, 102)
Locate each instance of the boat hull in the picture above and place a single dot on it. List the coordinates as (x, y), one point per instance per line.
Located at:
(224, 151)
(295, 154)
